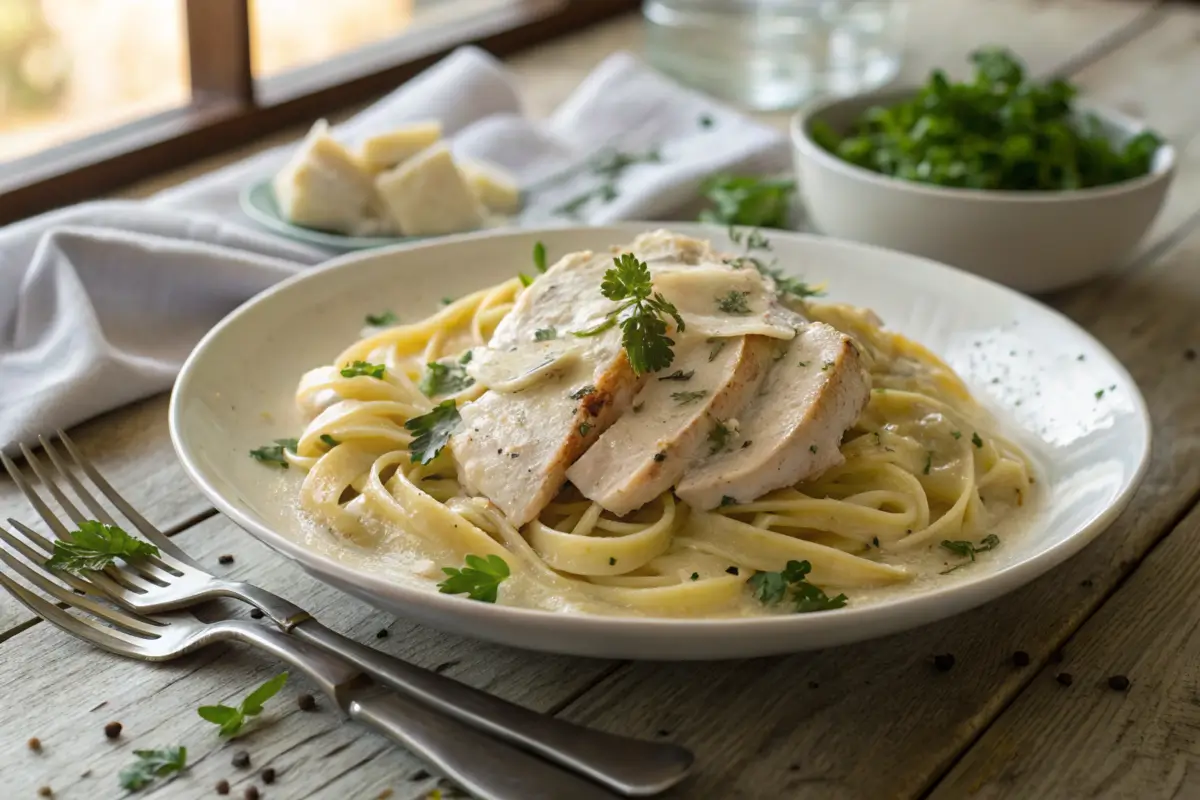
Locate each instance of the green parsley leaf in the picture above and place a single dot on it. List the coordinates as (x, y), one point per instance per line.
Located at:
(975, 440)
(329, 440)
(361, 368)
(478, 580)
(152, 764)
(1099, 393)
(582, 392)
(1000, 130)
(716, 349)
(96, 545)
(718, 438)
(274, 454)
(771, 588)
(441, 378)
(545, 334)
(679, 375)
(433, 431)
(525, 279)
(964, 549)
(466, 357)
(748, 200)
(382, 320)
(928, 461)
(231, 720)
(956, 434)
(695, 576)
(734, 302)
(640, 315)
(687, 398)
(585, 428)
(539, 256)
(705, 121)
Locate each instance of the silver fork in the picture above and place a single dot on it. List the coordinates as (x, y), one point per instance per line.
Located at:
(485, 767)
(174, 580)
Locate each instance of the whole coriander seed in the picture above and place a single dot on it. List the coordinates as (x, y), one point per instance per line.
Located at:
(112, 730)
(241, 759)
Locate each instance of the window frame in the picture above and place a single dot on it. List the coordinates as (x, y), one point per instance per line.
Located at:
(229, 107)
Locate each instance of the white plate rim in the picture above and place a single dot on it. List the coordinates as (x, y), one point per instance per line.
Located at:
(985, 588)
(299, 233)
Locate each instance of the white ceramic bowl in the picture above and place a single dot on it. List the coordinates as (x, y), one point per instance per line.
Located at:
(1031, 241)
(1035, 369)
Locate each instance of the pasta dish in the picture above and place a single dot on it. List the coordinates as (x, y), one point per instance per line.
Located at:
(659, 430)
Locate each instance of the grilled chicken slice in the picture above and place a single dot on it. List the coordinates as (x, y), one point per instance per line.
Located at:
(518, 438)
(793, 428)
(645, 452)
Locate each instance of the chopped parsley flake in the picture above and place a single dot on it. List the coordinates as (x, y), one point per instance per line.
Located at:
(695, 576)
(716, 349)
(660, 457)
(726, 500)
(329, 440)
(679, 375)
(770, 588)
(687, 398)
(1099, 393)
(545, 334)
(441, 379)
(734, 302)
(956, 434)
(965, 549)
(526, 281)
(975, 440)
(812, 448)
(582, 392)
(382, 320)
(611, 561)
(718, 438)
(274, 454)
(539, 256)
(584, 428)
(363, 368)
(928, 461)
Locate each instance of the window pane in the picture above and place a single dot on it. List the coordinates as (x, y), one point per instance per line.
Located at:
(286, 34)
(69, 68)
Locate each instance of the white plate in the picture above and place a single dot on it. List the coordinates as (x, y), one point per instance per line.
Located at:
(1031, 366)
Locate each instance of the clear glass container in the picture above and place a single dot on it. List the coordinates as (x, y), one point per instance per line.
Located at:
(770, 55)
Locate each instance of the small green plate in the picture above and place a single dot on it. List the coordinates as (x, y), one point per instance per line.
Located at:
(258, 202)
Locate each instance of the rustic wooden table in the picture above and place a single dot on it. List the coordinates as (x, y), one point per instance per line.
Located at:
(874, 720)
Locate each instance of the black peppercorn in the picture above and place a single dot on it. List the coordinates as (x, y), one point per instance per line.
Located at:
(241, 759)
(222, 787)
(306, 702)
(251, 793)
(268, 775)
(943, 662)
(1065, 678)
(1020, 659)
(225, 558)
(112, 730)
(256, 613)
(1118, 683)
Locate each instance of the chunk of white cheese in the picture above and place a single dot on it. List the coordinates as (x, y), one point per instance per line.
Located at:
(325, 186)
(494, 187)
(392, 149)
(428, 195)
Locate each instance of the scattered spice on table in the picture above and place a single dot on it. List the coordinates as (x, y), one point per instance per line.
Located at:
(251, 793)
(256, 613)
(419, 775)
(1118, 683)
(1065, 678)
(1057, 656)
(268, 775)
(222, 786)
(943, 662)
(225, 558)
(35, 744)
(112, 730)
(45, 791)
(1020, 659)
(663, 732)
(306, 702)
(241, 759)
(382, 634)
(1190, 354)
(814, 685)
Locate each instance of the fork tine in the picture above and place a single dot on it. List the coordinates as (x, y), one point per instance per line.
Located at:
(111, 639)
(39, 557)
(37, 575)
(34, 498)
(143, 525)
(100, 512)
(63, 501)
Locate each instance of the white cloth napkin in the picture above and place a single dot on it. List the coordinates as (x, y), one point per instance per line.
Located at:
(100, 303)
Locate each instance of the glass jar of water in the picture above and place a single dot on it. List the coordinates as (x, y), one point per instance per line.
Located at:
(774, 54)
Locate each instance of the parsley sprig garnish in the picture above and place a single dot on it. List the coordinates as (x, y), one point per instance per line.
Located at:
(735, 302)
(96, 545)
(785, 285)
(770, 588)
(359, 368)
(966, 549)
(442, 378)
(479, 580)
(152, 764)
(274, 453)
(230, 719)
(640, 314)
(433, 431)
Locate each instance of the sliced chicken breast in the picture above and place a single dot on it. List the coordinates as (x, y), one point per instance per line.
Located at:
(646, 451)
(793, 428)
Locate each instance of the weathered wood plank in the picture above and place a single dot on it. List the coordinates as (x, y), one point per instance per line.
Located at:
(53, 686)
(1088, 740)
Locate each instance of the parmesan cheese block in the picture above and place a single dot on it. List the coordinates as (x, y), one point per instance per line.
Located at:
(428, 195)
(392, 149)
(494, 187)
(325, 186)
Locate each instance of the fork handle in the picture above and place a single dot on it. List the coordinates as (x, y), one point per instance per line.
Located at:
(632, 767)
(487, 768)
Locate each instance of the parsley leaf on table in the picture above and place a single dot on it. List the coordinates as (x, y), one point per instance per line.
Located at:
(96, 545)
(442, 378)
(152, 764)
(640, 315)
(479, 579)
(274, 453)
(433, 431)
(771, 588)
(359, 368)
(748, 200)
(231, 720)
